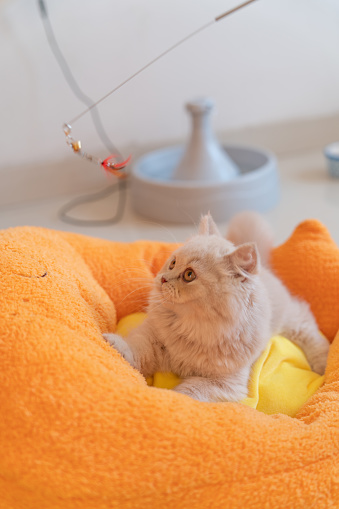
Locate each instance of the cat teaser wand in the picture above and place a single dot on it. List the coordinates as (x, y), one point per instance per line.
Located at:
(114, 163)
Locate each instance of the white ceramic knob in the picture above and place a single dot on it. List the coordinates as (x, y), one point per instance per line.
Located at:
(204, 159)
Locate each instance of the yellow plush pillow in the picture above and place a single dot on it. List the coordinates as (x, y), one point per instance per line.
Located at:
(281, 380)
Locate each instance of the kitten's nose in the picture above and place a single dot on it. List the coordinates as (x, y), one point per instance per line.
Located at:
(163, 280)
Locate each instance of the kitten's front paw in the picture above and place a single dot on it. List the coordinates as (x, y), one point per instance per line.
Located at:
(120, 344)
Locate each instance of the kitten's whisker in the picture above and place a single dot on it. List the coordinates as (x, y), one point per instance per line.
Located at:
(133, 291)
(167, 230)
(126, 283)
(146, 279)
(157, 306)
(157, 301)
(160, 304)
(187, 215)
(148, 262)
(142, 270)
(140, 274)
(136, 298)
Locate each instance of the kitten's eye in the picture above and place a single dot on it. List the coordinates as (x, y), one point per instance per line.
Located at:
(189, 275)
(172, 264)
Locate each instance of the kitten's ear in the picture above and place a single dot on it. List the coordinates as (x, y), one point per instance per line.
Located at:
(245, 259)
(207, 226)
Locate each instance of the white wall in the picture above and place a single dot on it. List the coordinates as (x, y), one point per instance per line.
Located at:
(275, 60)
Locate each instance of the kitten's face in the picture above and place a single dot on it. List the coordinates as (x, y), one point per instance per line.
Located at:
(207, 270)
(196, 272)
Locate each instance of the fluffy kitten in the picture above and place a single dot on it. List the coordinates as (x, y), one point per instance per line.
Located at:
(212, 311)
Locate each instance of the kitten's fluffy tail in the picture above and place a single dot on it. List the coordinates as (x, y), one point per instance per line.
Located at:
(252, 227)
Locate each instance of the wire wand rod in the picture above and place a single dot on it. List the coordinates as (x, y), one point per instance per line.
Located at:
(227, 13)
(218, 18)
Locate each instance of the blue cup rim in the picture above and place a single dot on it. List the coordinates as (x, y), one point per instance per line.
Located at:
(328, 151)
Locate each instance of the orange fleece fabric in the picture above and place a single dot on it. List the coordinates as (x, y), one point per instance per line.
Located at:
(308, 264)
(79, 428)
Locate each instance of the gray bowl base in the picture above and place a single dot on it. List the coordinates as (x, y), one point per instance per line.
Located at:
(157, 196)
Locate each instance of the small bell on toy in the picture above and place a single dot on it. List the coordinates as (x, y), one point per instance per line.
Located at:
(76, 145)
(111, 164)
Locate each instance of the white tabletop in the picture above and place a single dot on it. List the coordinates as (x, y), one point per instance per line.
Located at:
(306, 192)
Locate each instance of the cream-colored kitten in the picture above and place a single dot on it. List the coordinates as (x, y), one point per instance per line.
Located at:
(213, 309)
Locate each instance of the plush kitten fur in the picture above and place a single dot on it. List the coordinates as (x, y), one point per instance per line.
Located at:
(210, 328)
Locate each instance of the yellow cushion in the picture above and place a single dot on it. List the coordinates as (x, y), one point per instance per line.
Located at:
(281, 379)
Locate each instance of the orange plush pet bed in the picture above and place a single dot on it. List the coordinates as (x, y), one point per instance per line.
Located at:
(79, 428)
